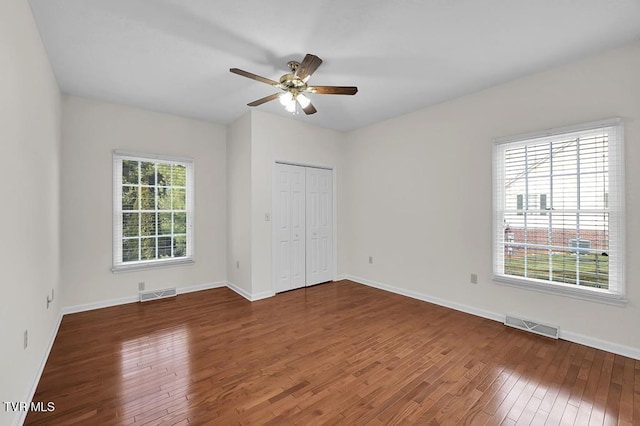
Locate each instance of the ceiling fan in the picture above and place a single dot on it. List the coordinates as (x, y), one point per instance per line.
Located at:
(294, 85)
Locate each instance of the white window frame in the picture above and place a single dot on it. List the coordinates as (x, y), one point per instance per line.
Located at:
(118, 264)
(616, 294)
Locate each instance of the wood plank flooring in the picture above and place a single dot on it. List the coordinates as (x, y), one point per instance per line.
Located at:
(337, 353)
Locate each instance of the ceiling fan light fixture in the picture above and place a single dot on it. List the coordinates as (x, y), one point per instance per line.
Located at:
(291, 107)
(286, 99)
(303, 100)
(294, 83)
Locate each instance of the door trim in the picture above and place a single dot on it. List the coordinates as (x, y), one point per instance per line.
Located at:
(313, 166)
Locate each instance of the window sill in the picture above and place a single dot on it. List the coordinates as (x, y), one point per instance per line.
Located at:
(154, 264)
(593, 295)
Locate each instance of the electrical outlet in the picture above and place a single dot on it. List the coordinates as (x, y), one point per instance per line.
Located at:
(141, 286)
(237, 264)
(371, 259)
(26, 339)
(474, 278)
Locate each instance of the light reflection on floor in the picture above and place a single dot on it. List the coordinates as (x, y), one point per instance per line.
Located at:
(160, 361)
(525, 397)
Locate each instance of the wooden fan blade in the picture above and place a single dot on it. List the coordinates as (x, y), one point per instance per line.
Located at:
(333, 90)
(265, 99)
(254, 76)
(310, 109)
(308, 66)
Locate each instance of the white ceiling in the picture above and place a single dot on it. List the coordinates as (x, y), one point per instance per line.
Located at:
(174, 55)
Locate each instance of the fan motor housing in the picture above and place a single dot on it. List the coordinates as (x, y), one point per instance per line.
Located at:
(289, 81)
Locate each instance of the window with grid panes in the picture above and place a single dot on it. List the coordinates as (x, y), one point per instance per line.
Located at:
(153, 213)
(559, 211)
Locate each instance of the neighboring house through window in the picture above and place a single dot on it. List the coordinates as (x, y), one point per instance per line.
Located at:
(559, 211)
(534, 202)
(152, 212)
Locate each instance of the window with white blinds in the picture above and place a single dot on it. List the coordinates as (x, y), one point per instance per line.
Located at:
(559, 211)
(152, 211)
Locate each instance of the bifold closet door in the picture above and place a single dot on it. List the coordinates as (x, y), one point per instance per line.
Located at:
(319, 226)
(289, 217)
(303, 223)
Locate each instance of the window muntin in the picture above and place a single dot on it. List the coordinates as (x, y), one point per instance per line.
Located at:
(153, 212)
(555, 225)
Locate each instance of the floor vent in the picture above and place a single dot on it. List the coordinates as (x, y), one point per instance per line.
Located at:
(145, 296)
(532, 326)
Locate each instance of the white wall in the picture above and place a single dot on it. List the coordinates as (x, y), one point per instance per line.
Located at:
(91, 131)
(239, 203)
(282, 139)
(29, 253)
(420, 194)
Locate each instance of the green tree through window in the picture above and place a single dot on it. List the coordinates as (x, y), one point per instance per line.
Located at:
(152, 212)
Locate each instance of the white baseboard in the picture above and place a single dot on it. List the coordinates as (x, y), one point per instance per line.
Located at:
(600, 344)
(22, 415)
(425, 298)
(565, 335)
(342, 277)
(132, 299)
(262, 295)
(200, 287)
(251, 297)
(98, 305)
(239, 290)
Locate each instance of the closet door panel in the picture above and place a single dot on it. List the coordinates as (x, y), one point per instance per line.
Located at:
(319, 226)
(289, 218)
(298, 178)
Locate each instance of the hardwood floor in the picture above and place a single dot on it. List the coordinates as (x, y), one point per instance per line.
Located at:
(334, 353)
